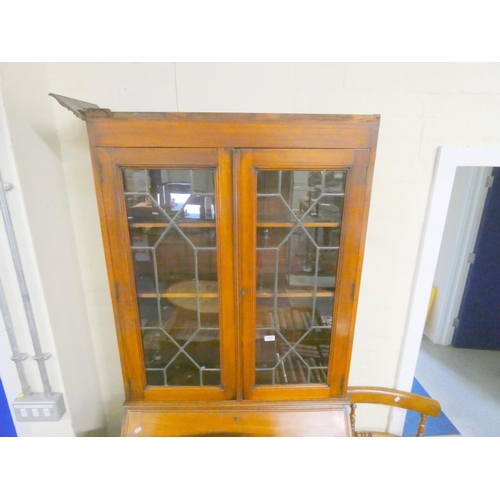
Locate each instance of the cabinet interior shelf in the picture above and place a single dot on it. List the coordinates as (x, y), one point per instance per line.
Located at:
(293, 224)
(179, 224)
(298, 294)
(178, 295)
(212, 224)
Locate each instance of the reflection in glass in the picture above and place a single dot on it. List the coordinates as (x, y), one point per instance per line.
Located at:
(171, 218)
(312, 196)
(299, 217)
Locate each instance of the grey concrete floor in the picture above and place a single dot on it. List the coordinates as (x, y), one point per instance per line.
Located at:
(467, 384)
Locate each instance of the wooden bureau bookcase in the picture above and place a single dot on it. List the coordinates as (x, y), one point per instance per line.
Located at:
(234, 246)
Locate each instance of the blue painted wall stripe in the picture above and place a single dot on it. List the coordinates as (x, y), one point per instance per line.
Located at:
(7, 428)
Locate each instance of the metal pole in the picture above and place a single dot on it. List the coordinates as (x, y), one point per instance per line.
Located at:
(17, 356)
(40, 357)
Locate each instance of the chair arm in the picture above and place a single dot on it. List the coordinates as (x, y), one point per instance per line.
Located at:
(394, 397)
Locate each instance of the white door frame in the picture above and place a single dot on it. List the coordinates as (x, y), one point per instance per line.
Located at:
(448, 160)
(457, 265)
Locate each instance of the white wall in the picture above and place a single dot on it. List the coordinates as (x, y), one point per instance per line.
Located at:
(41, 214)
(423, 106)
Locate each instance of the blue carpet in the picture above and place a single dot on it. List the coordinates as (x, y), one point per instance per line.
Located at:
(440, 426)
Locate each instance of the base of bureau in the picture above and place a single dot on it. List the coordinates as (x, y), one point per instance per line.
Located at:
(285, 419)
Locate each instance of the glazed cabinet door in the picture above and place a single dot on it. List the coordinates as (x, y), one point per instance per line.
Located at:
(167, 223)
(302, 215)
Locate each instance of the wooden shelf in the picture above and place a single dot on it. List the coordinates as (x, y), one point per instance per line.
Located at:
(261, 295)
(196, 224)
(293, 224)
(166, 295)
(298, 294)
(213, 224)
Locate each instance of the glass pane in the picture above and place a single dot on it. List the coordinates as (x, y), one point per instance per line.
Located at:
(311, 196)
(298, 237)
(171, 217)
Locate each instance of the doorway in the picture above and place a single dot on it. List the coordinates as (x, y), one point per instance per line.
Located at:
(478, 319)
(456, 253)
(448, 160)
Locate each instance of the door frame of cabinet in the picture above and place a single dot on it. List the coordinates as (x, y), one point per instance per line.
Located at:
(109, 184)
(355, 163)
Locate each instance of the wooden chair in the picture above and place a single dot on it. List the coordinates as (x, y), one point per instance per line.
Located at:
(391, 397)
